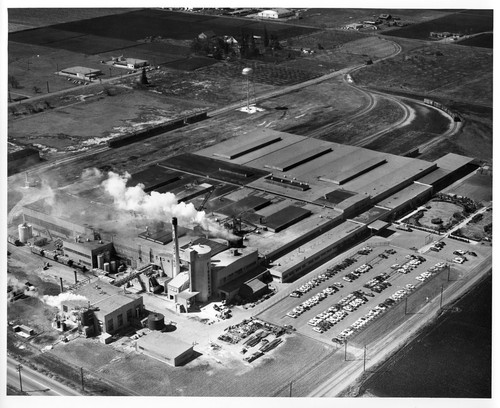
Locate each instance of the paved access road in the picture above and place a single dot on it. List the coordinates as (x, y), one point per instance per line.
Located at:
(35, 383)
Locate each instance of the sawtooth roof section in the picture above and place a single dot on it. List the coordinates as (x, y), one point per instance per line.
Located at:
(248, 147)
(354, 172)
(300, 158)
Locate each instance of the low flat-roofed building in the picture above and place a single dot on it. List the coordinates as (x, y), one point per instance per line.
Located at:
(130, 63)
(406, 199)
(164, 347)
(86, 251)
(453, 161)
(316, 251)
(118, 311)
(114, 309)
(81, 72)
(276, 13)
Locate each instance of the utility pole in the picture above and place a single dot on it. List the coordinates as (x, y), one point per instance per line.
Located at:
(290, 390)
(19, 366)
(406, 304)
(345, 351)
(81, 372)
(48, 90)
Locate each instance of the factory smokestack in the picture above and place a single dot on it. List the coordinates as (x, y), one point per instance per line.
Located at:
(175, 248)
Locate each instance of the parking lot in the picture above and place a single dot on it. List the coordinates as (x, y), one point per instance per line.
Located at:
(341, 302)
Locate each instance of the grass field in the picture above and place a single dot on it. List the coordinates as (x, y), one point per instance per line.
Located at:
(204, 376)
(479, 187)
(429, 124)
(440, 209)
(475, 230)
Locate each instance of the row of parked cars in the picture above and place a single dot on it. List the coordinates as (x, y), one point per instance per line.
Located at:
(330, 272)
(313, 301)
(357, 272)
(334, 314)
(413, 262)
(437, 246)
(378, 283)
(360, 323)
(427, 274)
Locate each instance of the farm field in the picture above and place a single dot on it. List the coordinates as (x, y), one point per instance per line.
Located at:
(142, 23)
(24, 18)
(336, 17)
(481, 40)
(435, 70)
(124, 114)
(465, 22)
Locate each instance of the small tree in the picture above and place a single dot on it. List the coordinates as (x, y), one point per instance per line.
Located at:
(36, 89)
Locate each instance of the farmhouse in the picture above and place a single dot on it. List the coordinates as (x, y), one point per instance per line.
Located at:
(276, 13)
(206, 35)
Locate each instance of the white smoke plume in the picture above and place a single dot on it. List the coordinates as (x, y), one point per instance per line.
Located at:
(156, 206)
(55, 301)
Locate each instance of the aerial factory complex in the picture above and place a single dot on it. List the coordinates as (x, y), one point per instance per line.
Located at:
(219, 211)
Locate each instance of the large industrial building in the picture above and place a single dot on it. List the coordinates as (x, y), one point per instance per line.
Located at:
(282, 203)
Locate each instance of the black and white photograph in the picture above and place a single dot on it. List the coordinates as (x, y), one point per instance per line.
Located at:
(263, 201)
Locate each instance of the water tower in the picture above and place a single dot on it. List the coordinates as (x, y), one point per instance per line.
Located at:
(247, 72)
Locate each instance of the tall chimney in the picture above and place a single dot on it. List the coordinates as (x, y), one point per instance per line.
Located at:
(175, 249)
(62, 286)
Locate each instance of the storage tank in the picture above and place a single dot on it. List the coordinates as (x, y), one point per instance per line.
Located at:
(112, 266)
(106, 266)
(156, 321)
(25, 232)
(100, 261)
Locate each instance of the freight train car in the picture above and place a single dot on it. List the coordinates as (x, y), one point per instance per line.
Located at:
(456, 117)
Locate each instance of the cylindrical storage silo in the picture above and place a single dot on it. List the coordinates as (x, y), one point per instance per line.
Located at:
(156, 321)
(112, 266)
(63, 326)
(106, 266)
(100, 261)
(25, 232)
